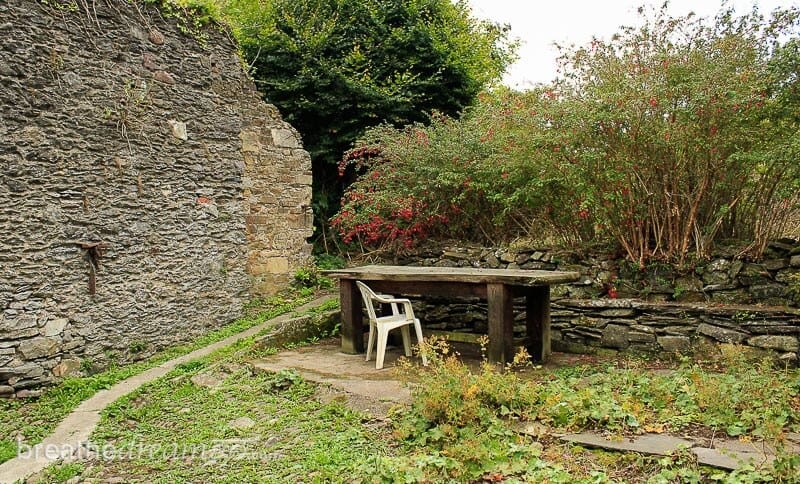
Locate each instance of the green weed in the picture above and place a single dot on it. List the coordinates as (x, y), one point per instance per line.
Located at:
(34, 420)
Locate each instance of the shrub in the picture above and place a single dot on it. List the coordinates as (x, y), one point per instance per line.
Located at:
(662, 140)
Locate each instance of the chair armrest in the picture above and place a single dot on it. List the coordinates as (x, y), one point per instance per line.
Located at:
(388, 299)
(394, 301)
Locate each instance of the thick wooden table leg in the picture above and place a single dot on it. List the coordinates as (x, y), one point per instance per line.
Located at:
(501, 323)
(537, 315)
(352, 319)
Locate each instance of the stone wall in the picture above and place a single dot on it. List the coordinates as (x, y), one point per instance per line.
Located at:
(145, 188)
(617, 306)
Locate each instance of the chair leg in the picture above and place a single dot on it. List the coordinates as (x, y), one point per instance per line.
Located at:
(370, 341)
(383, 335)
(418, 330)
(406, 339)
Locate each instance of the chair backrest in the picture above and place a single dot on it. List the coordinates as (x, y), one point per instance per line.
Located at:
(367, 295)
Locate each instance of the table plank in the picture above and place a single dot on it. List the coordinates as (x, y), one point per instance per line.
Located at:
(469, 275)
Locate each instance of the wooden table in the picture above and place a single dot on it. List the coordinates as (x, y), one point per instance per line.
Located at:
(497, 286)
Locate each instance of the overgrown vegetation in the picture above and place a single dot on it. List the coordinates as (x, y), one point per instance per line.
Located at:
(231, 420)
(33, 420)
(661, 141)
(460, 423)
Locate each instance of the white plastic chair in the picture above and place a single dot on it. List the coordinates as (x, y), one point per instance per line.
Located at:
(379, 327)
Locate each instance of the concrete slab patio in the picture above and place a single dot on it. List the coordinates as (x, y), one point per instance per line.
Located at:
(348, 376)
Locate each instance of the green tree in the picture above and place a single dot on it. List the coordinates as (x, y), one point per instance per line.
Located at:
(336, 67)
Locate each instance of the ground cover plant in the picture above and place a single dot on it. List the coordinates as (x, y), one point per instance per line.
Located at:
(33, 419)
(659, 142)
(460, 423)
(463, 424)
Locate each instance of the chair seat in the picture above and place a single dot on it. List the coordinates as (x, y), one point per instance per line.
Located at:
(379, 326)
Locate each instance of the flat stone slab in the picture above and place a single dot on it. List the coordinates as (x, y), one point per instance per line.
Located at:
(325, 363)
(729, 459)
(653, 444)
(725, 453)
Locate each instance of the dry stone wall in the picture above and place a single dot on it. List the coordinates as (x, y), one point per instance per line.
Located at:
(145, 188)
(723, 300)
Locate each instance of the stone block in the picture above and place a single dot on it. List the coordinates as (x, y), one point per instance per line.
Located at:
(285, 138)
(675, 344)
(795, 261)
(55, 327)
(767, 291)
(38, 347)
(776, 342)
(251, 142)
(776, 264)
(723, 335)
(637, 337)
(615, 336)
(618, 313)
(68, 366)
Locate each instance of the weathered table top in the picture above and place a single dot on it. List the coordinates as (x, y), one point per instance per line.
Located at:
(469, 275)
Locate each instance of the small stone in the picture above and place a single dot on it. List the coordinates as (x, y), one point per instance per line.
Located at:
(285, 138)
(149, 62)
(776, 264)
(719, 265)
(242, 423)
(178, 129)
(55, 327)
(29, 393)
(206, 380)
(618, 313)
(163, 76)
(68, 366)
(492, 261)
(6, 391)
(156, 37)
(795, 261)
(767, 291)
(507, 257)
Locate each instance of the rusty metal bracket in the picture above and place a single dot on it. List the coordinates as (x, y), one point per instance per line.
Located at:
(94, 251)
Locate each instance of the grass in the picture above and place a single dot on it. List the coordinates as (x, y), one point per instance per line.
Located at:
(33, 420)
(219, 419)
(289, 435)
(233, 424)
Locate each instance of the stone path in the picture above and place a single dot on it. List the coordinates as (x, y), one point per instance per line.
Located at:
(723, 453)
(76, 428)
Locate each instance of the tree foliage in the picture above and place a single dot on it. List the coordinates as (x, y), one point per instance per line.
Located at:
(336, 67)
(663, 139)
